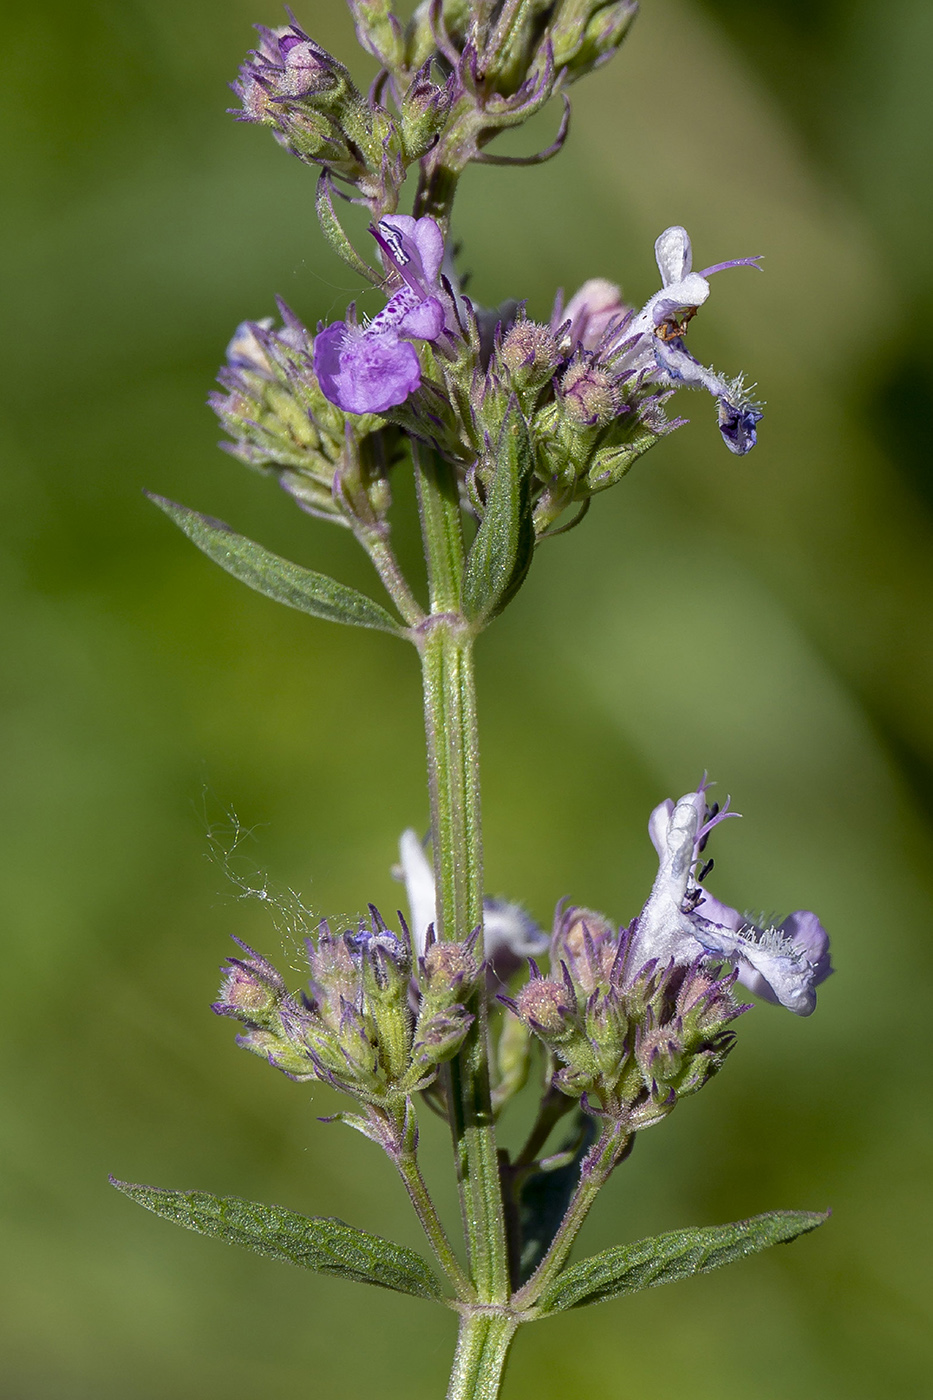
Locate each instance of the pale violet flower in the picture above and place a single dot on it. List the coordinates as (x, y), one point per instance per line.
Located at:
(650, 343)
(509, 933)
(680, 922)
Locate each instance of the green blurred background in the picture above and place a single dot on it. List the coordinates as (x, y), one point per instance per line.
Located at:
(767, 618)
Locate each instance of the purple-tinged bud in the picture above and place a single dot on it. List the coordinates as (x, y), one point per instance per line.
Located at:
(529, 352)
(591, 313)
(251, 991)
(587, 944)
(546, 1007)
(287, 66)
(424, 109)
(604, 33)
(589, 393)
(660, 1053)
(449, 967)
(379, 32)
(284, 1055)
(306, 68)
(574, 1081)
(438, 1038)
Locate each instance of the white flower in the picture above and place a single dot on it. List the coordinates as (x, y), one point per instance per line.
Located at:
(783, 963)
(508, 931)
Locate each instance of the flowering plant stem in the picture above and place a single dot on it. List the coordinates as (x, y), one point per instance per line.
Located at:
(482, 1349)
(408, 1169)
(445, 641)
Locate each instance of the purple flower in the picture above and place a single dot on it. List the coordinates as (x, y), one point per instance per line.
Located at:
(680, 922)
(374, 367)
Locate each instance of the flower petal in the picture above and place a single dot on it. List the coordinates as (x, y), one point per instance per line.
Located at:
(674, 254)
(418, 875)
(363, 372)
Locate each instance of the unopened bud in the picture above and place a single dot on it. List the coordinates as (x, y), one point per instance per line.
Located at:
(545, 1006)
(589, 395)
(424, 109)
(251, 991)
(448, 966)
(530, 353)
(439, 1037)
(587, 944)
(379, 31)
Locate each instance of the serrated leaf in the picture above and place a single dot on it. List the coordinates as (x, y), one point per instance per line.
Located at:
(667, 1258)
(322, 1244)
(277, 578)
(501, 553)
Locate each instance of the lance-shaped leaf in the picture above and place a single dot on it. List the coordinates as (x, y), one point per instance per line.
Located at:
(277, 578)
(666, 1258)
(323, 1244)
(333, 230)
(500, 555)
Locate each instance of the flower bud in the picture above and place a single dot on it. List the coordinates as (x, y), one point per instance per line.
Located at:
(589, 393)
(282, 1054)
(604, 33)
(309, 100)
(424, 110)
(379, 31)
(587, 944)
(529, 352)
(439, 1037)
(547, 1009)
(448, 967)
(251, 991)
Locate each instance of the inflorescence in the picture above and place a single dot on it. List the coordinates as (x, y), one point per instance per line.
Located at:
(325, 412)
(630, 1019)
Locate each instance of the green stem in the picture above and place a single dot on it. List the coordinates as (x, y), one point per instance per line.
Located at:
(482, 1348)
(441, 528)
(410, 1172)
(595, 1170)
(445, 641)
(387, 567)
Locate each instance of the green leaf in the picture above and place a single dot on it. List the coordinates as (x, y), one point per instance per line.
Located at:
(666, 1258)
(322, 1244)
(333, 230)
(501, 553)
(277, 578)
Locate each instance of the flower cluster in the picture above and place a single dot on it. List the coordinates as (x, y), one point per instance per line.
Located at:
(637, 1043)
(371, 1023)
(639, 1017)
(315, 111)
(282, 423)
(590, 386)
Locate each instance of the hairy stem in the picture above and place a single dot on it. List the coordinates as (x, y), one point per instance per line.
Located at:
(595, 1170)
(387, 567)
(408, 1169)
(482, 1348)
(445, 641)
